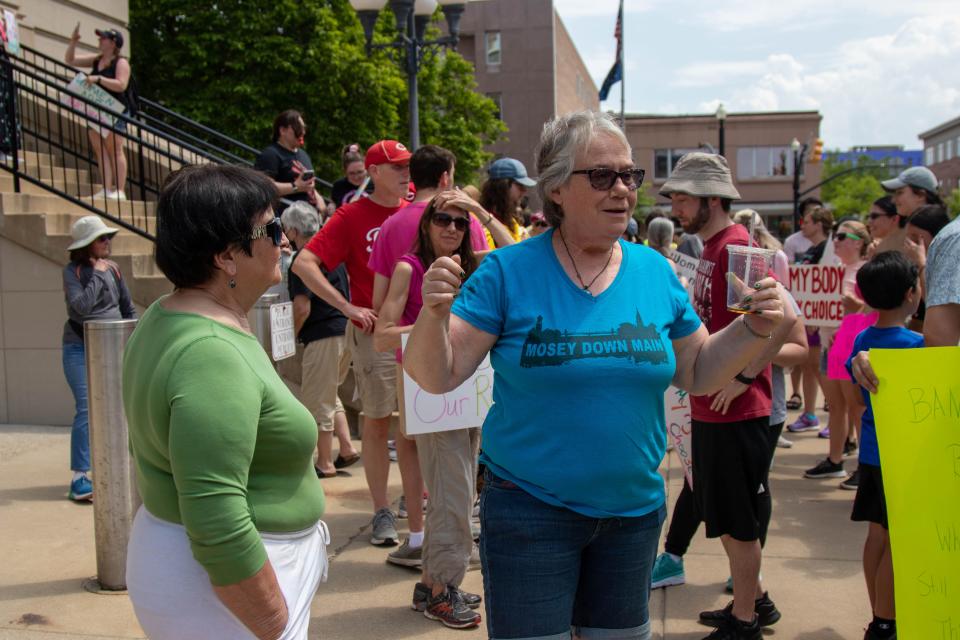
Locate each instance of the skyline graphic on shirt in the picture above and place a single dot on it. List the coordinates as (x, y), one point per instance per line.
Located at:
(555, 347)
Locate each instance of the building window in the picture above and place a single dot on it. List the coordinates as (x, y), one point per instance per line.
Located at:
(940, 152)
(497, 100)
(949, 151)
(764, 162)
(492, 40)
(664, 160)
(928, 160)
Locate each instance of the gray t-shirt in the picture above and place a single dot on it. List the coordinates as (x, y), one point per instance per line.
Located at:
(943, 276)
(93, 295)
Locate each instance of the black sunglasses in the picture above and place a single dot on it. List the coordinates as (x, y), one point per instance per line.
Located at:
(603, 179)
(843, 235)
(541, 223)
(443, 221)
(874, 216)
(273, 229)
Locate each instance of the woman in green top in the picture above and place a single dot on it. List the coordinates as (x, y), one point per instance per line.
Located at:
(229, 542)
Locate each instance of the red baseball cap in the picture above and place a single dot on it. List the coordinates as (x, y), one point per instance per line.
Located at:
(386, 152)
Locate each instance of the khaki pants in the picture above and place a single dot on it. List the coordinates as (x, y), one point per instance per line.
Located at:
(448, 461)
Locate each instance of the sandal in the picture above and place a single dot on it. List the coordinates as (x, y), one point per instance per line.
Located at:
(343, 463)
(795, 402)
(322, 475)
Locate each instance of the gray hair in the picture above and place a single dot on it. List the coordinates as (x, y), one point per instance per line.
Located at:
(302, 217)
(660, 234)
(561, 140)
(761, 235)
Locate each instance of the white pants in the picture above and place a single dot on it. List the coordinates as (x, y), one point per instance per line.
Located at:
(172, 595)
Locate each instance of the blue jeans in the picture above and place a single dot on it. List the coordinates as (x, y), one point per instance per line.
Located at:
(549, 571)
(75, 370)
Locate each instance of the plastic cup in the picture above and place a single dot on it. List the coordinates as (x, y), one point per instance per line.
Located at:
(745, 267)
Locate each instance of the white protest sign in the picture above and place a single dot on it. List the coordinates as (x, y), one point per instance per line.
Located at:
(12, 43)
(676, 404)
(282, 341)
(818, 291)
(686, 265)
(464, 407)
(104, 106)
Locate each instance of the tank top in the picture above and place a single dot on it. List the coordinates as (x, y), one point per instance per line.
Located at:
(110, 71)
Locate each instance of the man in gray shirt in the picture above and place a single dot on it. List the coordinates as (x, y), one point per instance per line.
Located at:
(941, 326)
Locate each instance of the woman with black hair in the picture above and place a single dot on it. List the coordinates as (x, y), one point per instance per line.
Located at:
(229, 542)
(448, 460)
(345, 189)
(94, 290)
(506, 185)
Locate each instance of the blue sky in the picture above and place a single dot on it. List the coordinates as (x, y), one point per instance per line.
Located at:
(879, 72)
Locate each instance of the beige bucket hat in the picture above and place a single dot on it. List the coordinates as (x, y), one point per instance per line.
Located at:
(703, 175)
(87, 229)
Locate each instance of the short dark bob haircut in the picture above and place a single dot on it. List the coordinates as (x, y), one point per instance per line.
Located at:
(886, 278)
(203, 210)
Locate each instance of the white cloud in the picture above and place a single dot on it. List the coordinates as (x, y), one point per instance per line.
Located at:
(734, 15)
(874, 90)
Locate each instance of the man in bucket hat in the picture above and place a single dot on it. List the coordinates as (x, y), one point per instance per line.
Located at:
(731, 445)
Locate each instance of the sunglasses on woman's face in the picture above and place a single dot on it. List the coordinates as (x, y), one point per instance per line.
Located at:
(603, 179)
(541, 223)
(874, 216)
(272, 229)
(443, 221)
(843, 235)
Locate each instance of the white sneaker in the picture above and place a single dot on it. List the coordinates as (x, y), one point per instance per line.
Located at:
(100, 194)
(116, 195)
(783, 443)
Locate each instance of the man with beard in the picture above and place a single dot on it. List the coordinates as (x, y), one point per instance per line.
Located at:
(731, 448)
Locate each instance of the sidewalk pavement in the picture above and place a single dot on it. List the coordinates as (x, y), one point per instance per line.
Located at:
(811, 564)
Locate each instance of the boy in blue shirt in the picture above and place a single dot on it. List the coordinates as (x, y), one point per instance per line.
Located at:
(888, 284)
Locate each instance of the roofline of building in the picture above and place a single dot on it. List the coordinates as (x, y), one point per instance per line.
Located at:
(940, 128)
(712, 116)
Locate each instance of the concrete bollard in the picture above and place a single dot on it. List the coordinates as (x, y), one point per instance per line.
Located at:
(116, 498)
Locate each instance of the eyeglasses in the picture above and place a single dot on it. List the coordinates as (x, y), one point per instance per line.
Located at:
(443, 221)
(541, 223)
(603, 179)
(272, 229)
(843, 235)
(874, 216)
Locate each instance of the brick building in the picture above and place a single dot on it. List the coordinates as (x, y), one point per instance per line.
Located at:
(941, 153)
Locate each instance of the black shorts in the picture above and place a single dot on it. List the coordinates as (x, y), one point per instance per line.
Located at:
(870, 505)
(731, 461)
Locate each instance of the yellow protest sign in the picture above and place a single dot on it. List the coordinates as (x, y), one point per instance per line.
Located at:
(917, 413)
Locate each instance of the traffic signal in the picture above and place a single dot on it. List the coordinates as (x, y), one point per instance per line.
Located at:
(816, 154)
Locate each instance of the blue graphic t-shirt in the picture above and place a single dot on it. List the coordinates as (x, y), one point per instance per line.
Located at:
(874, 338)
(577, 416)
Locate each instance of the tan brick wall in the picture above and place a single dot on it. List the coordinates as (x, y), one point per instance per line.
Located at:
(46, 25)
(575, 89)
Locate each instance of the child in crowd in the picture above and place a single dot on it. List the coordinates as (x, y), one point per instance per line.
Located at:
(888, 284)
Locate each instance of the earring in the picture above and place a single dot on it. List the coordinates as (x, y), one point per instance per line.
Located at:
(233, 283)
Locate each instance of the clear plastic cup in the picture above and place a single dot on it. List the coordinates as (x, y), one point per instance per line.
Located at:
(746, 266)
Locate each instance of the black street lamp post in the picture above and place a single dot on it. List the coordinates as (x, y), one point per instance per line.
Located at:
(799, 152)
(721, 119)
(412, 18)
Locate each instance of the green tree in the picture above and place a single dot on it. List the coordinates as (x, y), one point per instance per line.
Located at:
(853, 193)
(953, 203)
(234, 64)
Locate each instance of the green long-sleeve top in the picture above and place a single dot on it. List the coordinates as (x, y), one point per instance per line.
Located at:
(220, 444)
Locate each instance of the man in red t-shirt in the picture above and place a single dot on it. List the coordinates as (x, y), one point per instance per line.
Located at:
(730, 429)
(348, 238)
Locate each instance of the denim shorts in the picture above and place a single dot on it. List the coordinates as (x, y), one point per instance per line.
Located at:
(549, 571)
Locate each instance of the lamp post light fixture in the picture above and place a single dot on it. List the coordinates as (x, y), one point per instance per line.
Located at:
(721, 118)
(409, 47)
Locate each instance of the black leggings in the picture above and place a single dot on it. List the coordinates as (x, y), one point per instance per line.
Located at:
(686, 516)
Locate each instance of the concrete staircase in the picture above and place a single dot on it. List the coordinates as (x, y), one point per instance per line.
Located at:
(40, 221)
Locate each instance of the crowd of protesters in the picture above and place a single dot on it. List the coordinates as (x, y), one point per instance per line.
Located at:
(229, 542)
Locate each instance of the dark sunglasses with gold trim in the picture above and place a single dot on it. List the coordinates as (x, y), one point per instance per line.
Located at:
(272, 229)
(603, 178)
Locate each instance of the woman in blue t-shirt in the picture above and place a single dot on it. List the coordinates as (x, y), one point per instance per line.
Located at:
(582, 353)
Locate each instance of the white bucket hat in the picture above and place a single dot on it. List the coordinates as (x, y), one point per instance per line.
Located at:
(87, 229)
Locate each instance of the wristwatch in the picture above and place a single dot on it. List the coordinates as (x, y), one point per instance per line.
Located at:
(293, 185)
(744, 379)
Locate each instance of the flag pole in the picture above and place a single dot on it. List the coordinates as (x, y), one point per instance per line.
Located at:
(623, 75)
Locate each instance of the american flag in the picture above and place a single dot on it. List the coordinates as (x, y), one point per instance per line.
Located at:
(615, 74)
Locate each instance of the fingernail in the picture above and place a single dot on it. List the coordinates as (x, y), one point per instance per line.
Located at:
(463, 275)
(748, 300)
(759, 312)
(745, 307)
(757, 285)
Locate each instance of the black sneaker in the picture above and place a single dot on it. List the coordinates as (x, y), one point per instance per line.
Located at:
(873, 634)
(853, 482)
(826, 469)
(421, 593)
(450, 609)
(732, 629)
(850, 448)
(767, 613)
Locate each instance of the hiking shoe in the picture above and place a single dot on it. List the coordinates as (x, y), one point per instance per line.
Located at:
(81, 489)
(826, 469)
(384, 528)
(783, 443)
(421, 593)
(824, 433)
(806, 422)
(853, 482)
(729, 628)
(850, 449)
(407, 556)
(767, 613)
(451, 610)
(667, 572)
